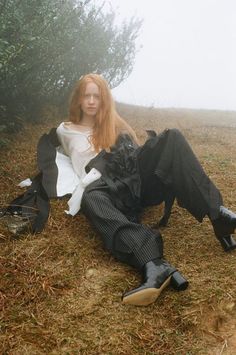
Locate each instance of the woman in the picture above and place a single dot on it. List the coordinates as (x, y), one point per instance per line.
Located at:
(112, 178)
(123, 177)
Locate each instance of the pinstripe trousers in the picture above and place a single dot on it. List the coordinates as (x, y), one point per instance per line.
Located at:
(132, 243)
(165, 162)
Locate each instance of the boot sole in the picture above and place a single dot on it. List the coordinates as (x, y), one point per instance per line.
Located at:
(146, 296)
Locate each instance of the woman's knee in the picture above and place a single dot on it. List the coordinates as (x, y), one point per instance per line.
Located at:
(175, 132)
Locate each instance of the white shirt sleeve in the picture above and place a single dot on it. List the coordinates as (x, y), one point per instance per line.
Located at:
(74, 202)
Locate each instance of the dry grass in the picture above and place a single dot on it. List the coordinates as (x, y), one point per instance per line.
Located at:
(60, 291)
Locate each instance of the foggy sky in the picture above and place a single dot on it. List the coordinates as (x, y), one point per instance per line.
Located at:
(188, 55)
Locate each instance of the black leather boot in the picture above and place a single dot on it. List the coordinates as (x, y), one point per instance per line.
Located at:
(223, 227)
(157, 275)
(228, 243)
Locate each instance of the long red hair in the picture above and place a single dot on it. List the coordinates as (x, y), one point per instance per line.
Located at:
(108, 124)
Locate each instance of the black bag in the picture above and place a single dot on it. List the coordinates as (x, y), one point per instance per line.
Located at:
(30, 209)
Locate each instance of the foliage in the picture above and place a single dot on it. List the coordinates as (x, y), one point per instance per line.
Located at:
(45, 46)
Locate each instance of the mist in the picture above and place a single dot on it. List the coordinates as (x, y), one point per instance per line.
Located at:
(187, 54)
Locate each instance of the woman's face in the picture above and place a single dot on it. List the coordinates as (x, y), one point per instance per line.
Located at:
(91, 100)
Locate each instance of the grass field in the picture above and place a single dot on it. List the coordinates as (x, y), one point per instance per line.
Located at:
(60, 291)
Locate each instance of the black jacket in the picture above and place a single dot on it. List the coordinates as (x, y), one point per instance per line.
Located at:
(119, 171)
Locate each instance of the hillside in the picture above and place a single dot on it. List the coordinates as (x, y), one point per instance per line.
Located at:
(60, 291)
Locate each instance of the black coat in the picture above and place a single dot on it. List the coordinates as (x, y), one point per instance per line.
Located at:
(119, 171)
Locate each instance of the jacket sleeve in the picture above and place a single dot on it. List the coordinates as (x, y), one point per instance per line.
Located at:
(101, 162)
(46, 159)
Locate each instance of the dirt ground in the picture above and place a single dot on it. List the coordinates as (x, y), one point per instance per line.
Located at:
(60, 291)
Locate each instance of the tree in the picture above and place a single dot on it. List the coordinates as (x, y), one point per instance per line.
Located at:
(46, 45)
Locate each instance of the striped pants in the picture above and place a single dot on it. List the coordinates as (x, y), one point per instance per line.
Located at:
(165, 162)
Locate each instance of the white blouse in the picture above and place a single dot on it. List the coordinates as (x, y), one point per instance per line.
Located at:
(79, 150)
(77, 145)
